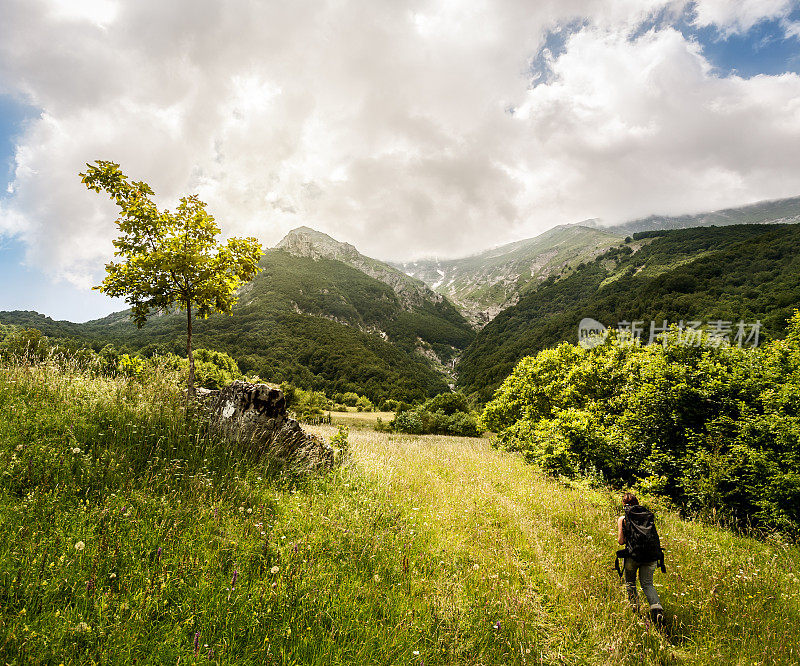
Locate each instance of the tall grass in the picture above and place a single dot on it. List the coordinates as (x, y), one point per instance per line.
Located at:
(131, 535)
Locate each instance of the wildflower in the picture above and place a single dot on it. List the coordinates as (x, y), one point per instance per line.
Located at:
(497, 625)
(377, 578)
(80, 546)
(476, 566)
(249, 510)
(18, 447)
(76, 450)
(112, 575)
(275, 569)
(82, 627)
(196, 643)
(416, 653)
(235, 575)
(158, 553)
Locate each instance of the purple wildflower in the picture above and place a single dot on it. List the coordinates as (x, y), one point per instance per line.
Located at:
(235, 575)
(295, 548)
(196, 643)
(158, 553)
(497, 625)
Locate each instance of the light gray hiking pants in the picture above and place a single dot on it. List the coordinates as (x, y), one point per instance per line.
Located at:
(646, 571)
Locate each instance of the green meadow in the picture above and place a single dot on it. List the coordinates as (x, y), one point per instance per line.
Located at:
(131, 535)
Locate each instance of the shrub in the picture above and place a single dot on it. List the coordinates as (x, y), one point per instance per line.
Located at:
(350, 399)
(212, 369)
(364, 404)
(444, 414)
(714, 429)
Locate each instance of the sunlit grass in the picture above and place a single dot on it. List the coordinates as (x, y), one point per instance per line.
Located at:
(353, 419)
(434, 550)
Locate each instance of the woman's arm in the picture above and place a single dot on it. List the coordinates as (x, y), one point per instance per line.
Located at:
(620, 534)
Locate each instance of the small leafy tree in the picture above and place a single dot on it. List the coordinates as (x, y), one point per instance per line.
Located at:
(170, 259)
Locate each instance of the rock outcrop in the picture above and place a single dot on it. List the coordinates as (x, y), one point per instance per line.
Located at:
(255, 416)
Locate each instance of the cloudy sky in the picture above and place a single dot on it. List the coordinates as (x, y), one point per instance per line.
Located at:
(407, 127)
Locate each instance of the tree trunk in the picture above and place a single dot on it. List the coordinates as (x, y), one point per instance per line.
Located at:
(191, 391)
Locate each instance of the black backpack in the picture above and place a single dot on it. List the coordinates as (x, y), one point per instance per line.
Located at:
(641, 537)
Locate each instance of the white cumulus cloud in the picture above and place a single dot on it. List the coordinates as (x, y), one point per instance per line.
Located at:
(407, 127)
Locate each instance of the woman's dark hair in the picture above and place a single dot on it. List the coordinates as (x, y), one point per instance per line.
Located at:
(629, 499)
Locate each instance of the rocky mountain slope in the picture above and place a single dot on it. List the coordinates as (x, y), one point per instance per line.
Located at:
(484, 284)
(779, 211)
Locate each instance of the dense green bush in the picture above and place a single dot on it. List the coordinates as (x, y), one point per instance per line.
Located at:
(304, 404)
(212, 369)
(714, 429)
(444, 414)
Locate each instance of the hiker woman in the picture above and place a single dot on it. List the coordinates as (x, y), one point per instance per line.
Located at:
(636, 530)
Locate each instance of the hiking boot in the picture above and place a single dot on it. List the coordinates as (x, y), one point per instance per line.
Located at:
(657, 616)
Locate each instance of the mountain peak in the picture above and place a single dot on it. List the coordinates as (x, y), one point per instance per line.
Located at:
(308, 242)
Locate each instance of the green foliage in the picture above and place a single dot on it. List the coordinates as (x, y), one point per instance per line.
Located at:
(447, 403)
(350, 399)
(340, 442)
(715, 430)
(213, 369)
(130, 366)
(25, 343)
(444, 414)
(741, 272)
(364, 404)
(305, 404)
(170, 259)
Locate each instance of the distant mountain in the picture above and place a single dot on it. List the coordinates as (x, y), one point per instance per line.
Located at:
(730, 273)
(413, 293)
(313, 320)
(764, 212)
(484, 284)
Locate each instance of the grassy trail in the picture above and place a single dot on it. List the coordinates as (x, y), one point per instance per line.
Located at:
(542, 560)
(130, 536)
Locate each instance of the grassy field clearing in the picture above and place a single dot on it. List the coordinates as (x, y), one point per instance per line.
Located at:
(360, 419)
(132, 537)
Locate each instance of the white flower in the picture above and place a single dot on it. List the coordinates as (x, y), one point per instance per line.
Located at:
(76, 450)
(476, 566)
(249, 510)
(80, 546)
(275, 570)
(112, 575)
(18, 447)
(82, 626)
(416, 653)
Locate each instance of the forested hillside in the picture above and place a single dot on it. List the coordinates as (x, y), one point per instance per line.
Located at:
(315, 322)
(741, 272)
